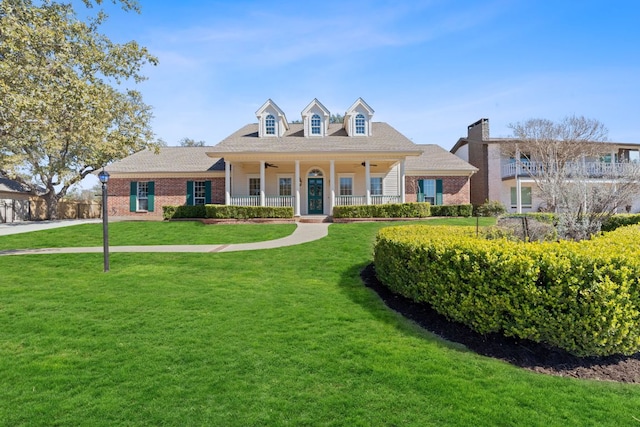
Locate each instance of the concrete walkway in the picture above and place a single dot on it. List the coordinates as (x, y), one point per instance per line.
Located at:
(303, 233)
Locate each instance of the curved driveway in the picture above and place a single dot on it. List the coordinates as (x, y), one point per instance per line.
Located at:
(304, 232)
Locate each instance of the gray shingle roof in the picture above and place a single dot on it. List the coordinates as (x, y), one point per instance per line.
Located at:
(168, 159)
(10, 186)
(385, 139)
(434, 158)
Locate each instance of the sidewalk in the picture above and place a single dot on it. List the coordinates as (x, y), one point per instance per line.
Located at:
(27, 226)
(304, 232)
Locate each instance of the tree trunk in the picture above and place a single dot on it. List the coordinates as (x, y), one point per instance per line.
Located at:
(51, 200)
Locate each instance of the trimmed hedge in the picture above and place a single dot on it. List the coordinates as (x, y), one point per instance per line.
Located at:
(452, 210)
(394, 210)
(225, 212)
(583, 297)
(247, 212)
(175, 212)
(620, 220)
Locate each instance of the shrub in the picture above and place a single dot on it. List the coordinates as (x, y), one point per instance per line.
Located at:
(537, 227)
(583, 297)
(394, 210)
(452, 210)
(175, 212)
(247, 212)
(490, 208)
(616, 221)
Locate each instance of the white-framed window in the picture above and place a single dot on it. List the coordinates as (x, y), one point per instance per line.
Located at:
(199, 193)
(316, 125)
(346, 186)
(360, 124)
(285, 185)
(525, 195)
(254, 186)
(429, 190)
(143, 196)
(376, 186)
(270, 125)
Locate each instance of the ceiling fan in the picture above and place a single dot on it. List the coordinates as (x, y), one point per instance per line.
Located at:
(270, 165)
(370, 164)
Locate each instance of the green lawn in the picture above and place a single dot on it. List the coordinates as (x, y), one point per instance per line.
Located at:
(281, 337)
(147, 233)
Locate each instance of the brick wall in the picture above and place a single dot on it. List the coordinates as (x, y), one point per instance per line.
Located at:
(168, 191)
(455, 189)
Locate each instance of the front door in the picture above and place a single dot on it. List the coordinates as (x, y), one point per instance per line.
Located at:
(315, 196)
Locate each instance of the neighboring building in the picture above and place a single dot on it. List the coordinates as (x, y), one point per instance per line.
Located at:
(311, 166)
(501, 178)
(14, 201)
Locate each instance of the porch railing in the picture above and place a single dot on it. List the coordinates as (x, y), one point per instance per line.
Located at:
(271, 201)
(289, 201)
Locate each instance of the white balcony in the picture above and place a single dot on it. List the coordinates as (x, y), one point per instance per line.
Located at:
(586, 169)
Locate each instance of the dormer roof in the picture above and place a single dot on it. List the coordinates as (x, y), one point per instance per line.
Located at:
(279, 125)
(358, 107)
(318, 127)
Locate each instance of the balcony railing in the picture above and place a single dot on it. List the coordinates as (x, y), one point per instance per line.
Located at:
(584, 169)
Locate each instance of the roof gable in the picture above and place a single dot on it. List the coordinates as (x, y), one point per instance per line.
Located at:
(312, 128)
(357, 127)
(281, 125)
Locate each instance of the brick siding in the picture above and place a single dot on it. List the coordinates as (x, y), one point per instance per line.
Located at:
(168, 191)
(455, 189)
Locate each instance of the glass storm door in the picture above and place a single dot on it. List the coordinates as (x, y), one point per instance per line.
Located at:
(315, 196)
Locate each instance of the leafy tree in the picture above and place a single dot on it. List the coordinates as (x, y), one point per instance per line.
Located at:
(63, 113)
(336, 118)
(188, 142)
(564, 160)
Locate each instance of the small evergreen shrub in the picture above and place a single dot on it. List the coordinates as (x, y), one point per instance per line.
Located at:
(452, 210)
(394, 210)
(247, 212)
(176, 212)
(620, 220)
(490, 208)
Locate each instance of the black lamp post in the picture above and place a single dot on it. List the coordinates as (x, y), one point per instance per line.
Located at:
(104, 178)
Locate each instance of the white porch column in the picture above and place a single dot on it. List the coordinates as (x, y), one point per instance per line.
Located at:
(367, 177)
(518, 195)
(262, 184)
(296, 178)
(227, 183)
(402, 182)
(332, 185)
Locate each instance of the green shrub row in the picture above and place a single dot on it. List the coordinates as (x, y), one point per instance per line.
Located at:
(452, 210)
(620, 220)
(247, 212)
(226, 212)
(395, 210)
(176, 212)
(579, 296)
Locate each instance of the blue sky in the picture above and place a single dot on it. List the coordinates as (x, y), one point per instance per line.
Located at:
(428, 68)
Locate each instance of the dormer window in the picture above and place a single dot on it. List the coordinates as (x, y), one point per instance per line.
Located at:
(360, 129)
(357, 119)
(315, 125)
(315, 119)
(270, 125)
(271, 120)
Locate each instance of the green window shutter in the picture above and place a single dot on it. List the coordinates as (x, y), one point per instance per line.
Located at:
(207, 196)
(133, 196)
(438, 191)
(151, 191)
(420, 196)
(190, 199)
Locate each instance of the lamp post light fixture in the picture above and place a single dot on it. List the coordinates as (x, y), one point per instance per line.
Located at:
(103, 176)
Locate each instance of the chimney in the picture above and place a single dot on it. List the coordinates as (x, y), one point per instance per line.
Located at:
(479, 130)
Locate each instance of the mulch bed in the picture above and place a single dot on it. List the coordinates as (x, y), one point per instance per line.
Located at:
(523, 353)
